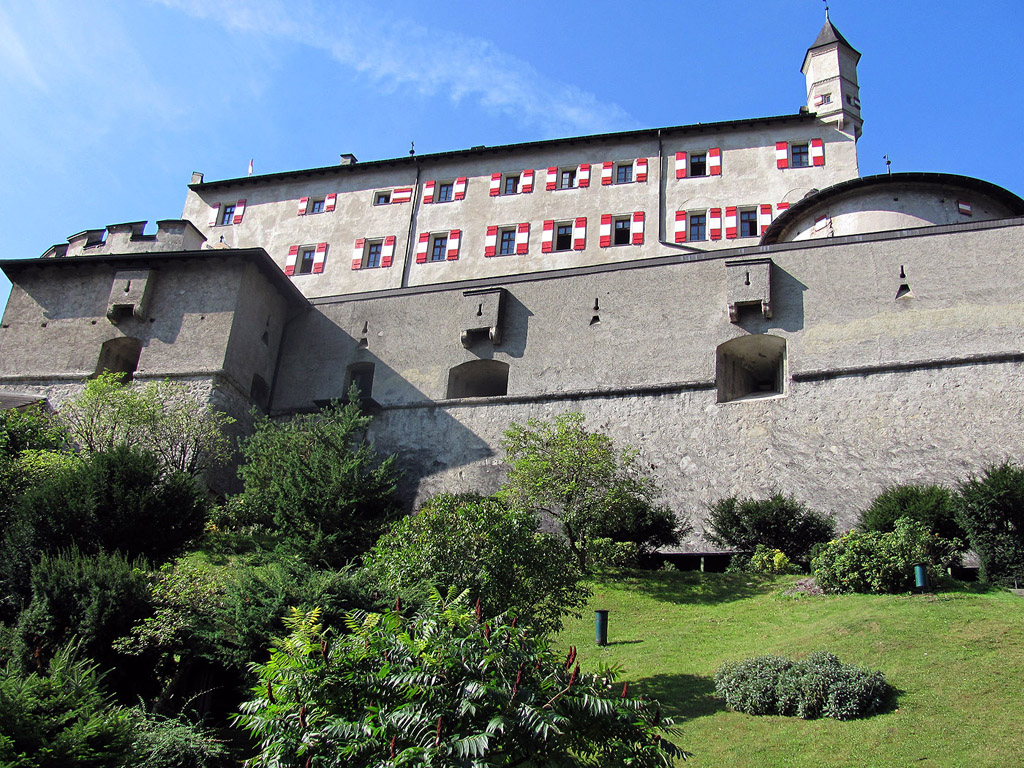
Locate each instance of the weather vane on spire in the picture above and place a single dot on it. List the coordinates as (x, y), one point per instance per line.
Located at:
(826, 9)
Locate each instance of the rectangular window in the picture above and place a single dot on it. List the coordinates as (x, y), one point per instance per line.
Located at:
(620, 236)
(698, 164)
(438, 248)
(510, 185)
(306, 256)
(382, 198)
(563, 237)
(227, 215)
(372, 257)
(567, 179)
(507, 246)
(698, 226)
(800, 154)
(316, 206)
(624, 173)
(444, 192)
(748, 223)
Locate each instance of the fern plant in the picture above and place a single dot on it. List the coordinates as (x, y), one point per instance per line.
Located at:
(446, 686)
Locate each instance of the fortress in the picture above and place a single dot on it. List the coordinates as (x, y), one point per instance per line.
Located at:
(733, 299)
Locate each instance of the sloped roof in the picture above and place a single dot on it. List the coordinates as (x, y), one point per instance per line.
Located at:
(828, 35)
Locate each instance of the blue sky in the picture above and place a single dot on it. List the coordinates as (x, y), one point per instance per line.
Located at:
(107, 107)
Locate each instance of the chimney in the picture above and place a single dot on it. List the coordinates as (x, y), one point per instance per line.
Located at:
(197, 177)
(348, 159)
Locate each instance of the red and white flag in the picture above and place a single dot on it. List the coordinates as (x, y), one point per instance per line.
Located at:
(250, 167)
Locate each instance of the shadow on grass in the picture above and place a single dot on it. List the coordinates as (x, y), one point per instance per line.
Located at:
(692, 587)
(684, 697)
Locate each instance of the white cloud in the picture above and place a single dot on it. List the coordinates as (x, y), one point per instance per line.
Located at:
(430, 61)
(15, 62)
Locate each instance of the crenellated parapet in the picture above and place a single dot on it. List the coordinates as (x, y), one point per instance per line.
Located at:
(131, 237)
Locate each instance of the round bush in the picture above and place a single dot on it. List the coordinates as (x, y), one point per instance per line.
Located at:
(778, 522)
(931, 505)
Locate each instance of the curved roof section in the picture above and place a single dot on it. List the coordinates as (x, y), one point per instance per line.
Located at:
(853, 187)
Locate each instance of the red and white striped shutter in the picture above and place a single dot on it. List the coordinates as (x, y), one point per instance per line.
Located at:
(579, 233)
(239, 211)
(680, 226)
(583, 175)
(606, 173)
(303, 204)
(454, 238)
(637, 230)
(460, 188)
(715, 223)
(387, 253)
(640, 169)
(680, 165)
(289, 263)
(547, 236)
(526, 181)
(331, 202)
(552, 179)
(319, 257)
(817, 152)
(765, 217)
(715, 161)
(495, 184)
(782, 154)
(606, 230)
(357, 253)
(401, 195)
(421, 247)
(782, 206)
(428, 191)
(491, 241)
(214, 215)
(523, 237)
(730, 222)
(964, 208)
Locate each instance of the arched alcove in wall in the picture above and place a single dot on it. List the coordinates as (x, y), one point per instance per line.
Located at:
(751, 366)
(120, 355)
(478, 378)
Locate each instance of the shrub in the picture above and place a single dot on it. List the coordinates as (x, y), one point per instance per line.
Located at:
(778, 522)
(990, 509)
(479, 544)
(820, 686)
(772, 561)
(931, 505)
(163, 742)
(879, 562)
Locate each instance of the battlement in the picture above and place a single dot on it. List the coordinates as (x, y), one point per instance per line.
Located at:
(130, 237)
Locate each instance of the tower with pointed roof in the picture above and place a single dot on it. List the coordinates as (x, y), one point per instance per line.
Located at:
(830, 66)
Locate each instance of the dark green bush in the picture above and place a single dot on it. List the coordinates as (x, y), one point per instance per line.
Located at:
(990, 509)
(163, 742)
(820, 686)
(931, 505)
(880, 562)
(778, 522)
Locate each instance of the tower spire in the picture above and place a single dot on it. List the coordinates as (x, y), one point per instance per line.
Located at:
(830, 67)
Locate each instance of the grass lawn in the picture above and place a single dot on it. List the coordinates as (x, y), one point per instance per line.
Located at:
(956, 658)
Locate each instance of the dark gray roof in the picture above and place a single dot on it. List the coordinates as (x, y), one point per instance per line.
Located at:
(828, 35)
(11, 400)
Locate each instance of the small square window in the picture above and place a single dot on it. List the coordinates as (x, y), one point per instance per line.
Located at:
(567, 178)
(382, 198)
(507, 247)
(624, 173)
(444, 192)
(563, 237)
(439, 248)
(227, 215)
(698, 226)
(748, 223)
(371, 257)
(801, 155)
(698, 164)
(316, 206)
(510, 186)
(306, 255)
(620, 234)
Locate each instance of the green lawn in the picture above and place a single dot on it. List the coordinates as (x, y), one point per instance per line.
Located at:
(956, 658)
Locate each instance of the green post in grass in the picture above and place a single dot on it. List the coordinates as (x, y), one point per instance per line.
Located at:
(601, 627)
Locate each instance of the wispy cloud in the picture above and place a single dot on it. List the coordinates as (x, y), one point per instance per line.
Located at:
(428, 60)
(14, 58)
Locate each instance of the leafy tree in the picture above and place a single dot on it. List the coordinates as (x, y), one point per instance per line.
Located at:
(990, 509)
(59, 717)
(778, 522)
(931, 505)
(479, 544)
(559, 468)
(317, 484)
(160, 417)
(441, 688)
(24, 433)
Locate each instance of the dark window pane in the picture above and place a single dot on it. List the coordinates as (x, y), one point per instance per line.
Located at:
(698, 226)
(624, 174)
(563, 237)
(444, 193)
(508, 242)
(511, 185)
(373, 255)
(748, 223)
(228, 215)
(621, 232)
(699, 165)
(306, 266)
(801, 157)
(440, 246)
(567, 179)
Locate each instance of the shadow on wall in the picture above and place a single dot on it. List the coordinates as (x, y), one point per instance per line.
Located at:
(787, 306)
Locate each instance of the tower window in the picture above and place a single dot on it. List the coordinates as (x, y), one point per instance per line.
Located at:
(306, 255)
(620, 236)
(227, 215)
(438, 248)
(563, 236)
(748, 223)
(698, 226)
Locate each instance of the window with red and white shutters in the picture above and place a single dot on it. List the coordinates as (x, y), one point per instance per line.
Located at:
(319, 257)
(817, 152)
(454, 241)
(460, 188)
(714, 162)
(526, 181)
(522, 239)
(428, 191)
(239, 212)
(636, 229)
(680, 233)
(715, 224)
(357, 253)
(582, 179)
(640, 169)
(579, 233)
(289, 263)
(730, 222)
(782, 154)
(764, 217)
